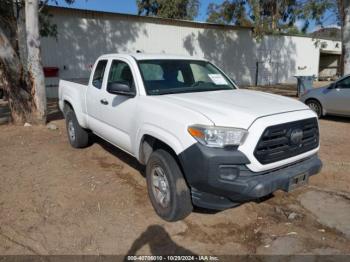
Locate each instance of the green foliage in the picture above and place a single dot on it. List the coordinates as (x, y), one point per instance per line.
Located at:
(175, 9)
(10, 10)
(316, 10)
(228, 12)
(293, 31)
(47, 28)
(272, 17)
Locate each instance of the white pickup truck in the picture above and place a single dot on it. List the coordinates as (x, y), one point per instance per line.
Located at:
(204, 141)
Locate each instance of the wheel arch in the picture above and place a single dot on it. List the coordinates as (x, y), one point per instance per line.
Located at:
(149, 144)
(76, 108)
(66, 106)
(323, 111)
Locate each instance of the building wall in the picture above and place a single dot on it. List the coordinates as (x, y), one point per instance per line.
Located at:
(83, 36)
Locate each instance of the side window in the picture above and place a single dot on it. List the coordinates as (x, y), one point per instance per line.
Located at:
(98, 74)
(120, 72)
(345, 83)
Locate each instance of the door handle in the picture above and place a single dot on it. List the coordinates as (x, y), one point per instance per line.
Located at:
(104, 102)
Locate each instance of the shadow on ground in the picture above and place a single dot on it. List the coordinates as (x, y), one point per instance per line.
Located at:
(337, 119)
(132, 162)
(159, 241)
(120, 154)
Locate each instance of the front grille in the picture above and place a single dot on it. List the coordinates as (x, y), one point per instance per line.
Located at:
(287, 140)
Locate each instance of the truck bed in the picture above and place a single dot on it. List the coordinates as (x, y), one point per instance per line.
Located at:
(74, 93)
(82, 81)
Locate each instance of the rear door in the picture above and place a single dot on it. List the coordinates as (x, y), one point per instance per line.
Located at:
(94, 94)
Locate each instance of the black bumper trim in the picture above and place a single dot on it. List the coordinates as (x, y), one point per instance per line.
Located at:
(209, 190)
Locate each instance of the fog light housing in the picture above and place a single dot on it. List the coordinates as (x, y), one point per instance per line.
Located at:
(228, 173)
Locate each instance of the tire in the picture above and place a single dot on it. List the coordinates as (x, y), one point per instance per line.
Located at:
(315, 106)
(77, 136)
(176, 204)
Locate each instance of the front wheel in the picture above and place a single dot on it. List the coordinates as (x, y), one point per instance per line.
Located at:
(169, 194)
(315, 106)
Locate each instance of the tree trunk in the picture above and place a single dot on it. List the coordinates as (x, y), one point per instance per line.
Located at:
(13, 82)
(19, 12)
(34, 65)
(346, 36)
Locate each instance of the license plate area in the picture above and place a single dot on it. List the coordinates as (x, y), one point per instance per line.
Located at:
(298, 181)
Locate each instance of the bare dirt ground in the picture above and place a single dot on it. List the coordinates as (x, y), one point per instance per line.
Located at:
(58, 200)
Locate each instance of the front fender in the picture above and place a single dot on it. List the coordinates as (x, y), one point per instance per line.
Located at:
(176, 143)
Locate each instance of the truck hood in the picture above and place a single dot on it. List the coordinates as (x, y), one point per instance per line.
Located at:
(235, 108)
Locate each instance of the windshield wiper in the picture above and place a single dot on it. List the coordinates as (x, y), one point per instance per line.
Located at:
(209, 89)
(190, 90)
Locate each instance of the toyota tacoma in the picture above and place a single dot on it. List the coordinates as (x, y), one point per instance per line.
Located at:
(204, 141)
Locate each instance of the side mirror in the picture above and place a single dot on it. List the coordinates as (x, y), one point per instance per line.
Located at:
(120, 88)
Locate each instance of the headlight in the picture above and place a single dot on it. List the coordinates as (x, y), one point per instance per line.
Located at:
(213, 136)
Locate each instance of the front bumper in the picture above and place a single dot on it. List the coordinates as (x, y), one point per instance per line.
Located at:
(219, 178)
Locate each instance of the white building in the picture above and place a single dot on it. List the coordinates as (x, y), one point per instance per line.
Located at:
(85, 35)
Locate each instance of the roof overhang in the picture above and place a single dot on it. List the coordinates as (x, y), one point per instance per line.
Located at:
(150, 19)
(330, 52)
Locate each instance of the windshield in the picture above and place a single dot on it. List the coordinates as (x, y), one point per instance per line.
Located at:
(181, 76)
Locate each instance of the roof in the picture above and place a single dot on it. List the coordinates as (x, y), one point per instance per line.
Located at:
(332, 33)
(148, 56)
(150, 19)
(167, 21)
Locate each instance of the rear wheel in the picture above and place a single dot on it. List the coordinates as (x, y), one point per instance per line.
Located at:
(315, 106)
(78, 137)
(167, 188)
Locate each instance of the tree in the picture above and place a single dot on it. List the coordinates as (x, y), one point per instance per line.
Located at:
(21, 72)
(34, 65)
(230, 12)
(269, 16)
(12, 75)
(346, 35)
(174, 9)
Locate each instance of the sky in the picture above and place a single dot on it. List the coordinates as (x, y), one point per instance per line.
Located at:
(129, 7)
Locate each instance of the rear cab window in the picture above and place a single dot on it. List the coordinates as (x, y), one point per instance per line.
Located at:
(99, 73)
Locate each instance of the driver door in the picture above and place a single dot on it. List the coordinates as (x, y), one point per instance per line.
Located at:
(117, 112)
